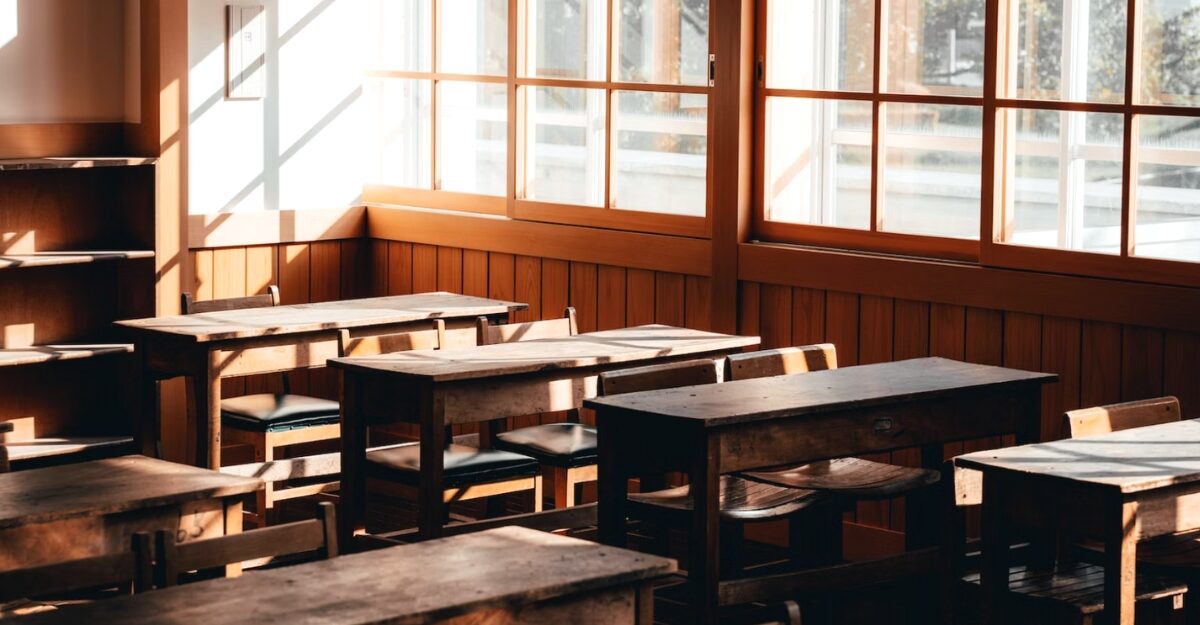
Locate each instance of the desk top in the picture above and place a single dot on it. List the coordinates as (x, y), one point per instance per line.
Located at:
(628, 345)
(298, 318)
(100, 487)
(759, 399)
(1134, 460)
(412, 584)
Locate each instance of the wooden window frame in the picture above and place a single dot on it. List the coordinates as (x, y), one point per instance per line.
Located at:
(991, 249)
(513, 204)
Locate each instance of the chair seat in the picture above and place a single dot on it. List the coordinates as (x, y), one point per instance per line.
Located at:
(558, 444)
(740, 500)
(851, 477)
(268, 412)
(463, 466)
(1080, 586)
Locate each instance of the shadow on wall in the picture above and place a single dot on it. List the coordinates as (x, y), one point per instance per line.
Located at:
(298, 146)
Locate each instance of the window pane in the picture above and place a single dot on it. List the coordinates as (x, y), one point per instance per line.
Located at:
(1168, 193)
(819, 162)
(1071, 50)
(1065, 187)
(567, 39)
(661, 152)
(473, 36)
(663, 41)
(473, 137)
(401, 35)
(935, 46)
(1171, 52)
(932, 170)
(821, 44)
(402, 131)
(566, 161)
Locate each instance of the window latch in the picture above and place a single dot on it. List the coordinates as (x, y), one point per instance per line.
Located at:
(712, 70)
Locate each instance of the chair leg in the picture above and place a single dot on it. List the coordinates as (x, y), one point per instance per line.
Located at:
(564, 487)
(263, 499)
(537, 493)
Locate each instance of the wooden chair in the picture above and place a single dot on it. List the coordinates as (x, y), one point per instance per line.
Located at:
(1042, 590)
(741, 501)
(270, 422)
(1177, 555)
(314, 537)
(469, 472)
(565, 451)
(129, 569)
(851, 479)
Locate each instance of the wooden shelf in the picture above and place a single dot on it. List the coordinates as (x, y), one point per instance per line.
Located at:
(25, 164)
(51, 259)
(37, 354)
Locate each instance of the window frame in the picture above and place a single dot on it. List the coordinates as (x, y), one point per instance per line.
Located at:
(991, 249)
(513, 204)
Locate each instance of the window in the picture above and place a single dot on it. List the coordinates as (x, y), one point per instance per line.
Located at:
(573, 111)
(901, 131)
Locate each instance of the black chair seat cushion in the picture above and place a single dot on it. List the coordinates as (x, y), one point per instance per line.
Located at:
(558, 444)
(275, 412)
(463, 466)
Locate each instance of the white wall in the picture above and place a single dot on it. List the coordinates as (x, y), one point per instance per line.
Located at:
(62, 61)
(300, 146)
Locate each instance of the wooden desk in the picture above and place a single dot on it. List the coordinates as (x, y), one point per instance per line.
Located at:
(507, 575)
(439, 388)
(748, 424)
(93, 508)
(209, 346)
(1120, 487)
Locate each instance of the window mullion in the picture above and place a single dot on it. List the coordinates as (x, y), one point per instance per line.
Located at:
(878, 79)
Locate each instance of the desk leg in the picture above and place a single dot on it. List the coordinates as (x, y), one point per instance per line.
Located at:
(148, 427)
(704, 555)
(352, 495)
(612, 486)
(1121, 533)
(206, 390)
(995, 543)
(233, 525)
(431, 503)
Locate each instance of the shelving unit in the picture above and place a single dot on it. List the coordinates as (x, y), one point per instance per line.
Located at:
(77, 249)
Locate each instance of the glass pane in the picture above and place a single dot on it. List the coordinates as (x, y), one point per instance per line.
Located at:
(402, 131)
(661, 152)
(567, 39)
(932, 170)
(566, 161)
(473, 137)
(400, 35)
(1065, 185)
(819, 162)
(1168, 193)
(1070, 50)
(821, 44)
(935, 46)
(473, 37)
(1171, 52)
(663, 41)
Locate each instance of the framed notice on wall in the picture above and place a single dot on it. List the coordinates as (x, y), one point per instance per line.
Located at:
(245, 52)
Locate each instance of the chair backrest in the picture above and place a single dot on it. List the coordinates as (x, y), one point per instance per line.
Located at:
(315, 535)
(488, 334)
(658, 377)
(129, 568)
(784, 361)
(265, 300)
(1117, 417)
(433, 338)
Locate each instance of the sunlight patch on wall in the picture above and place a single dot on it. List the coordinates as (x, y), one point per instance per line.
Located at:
(8, 21)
